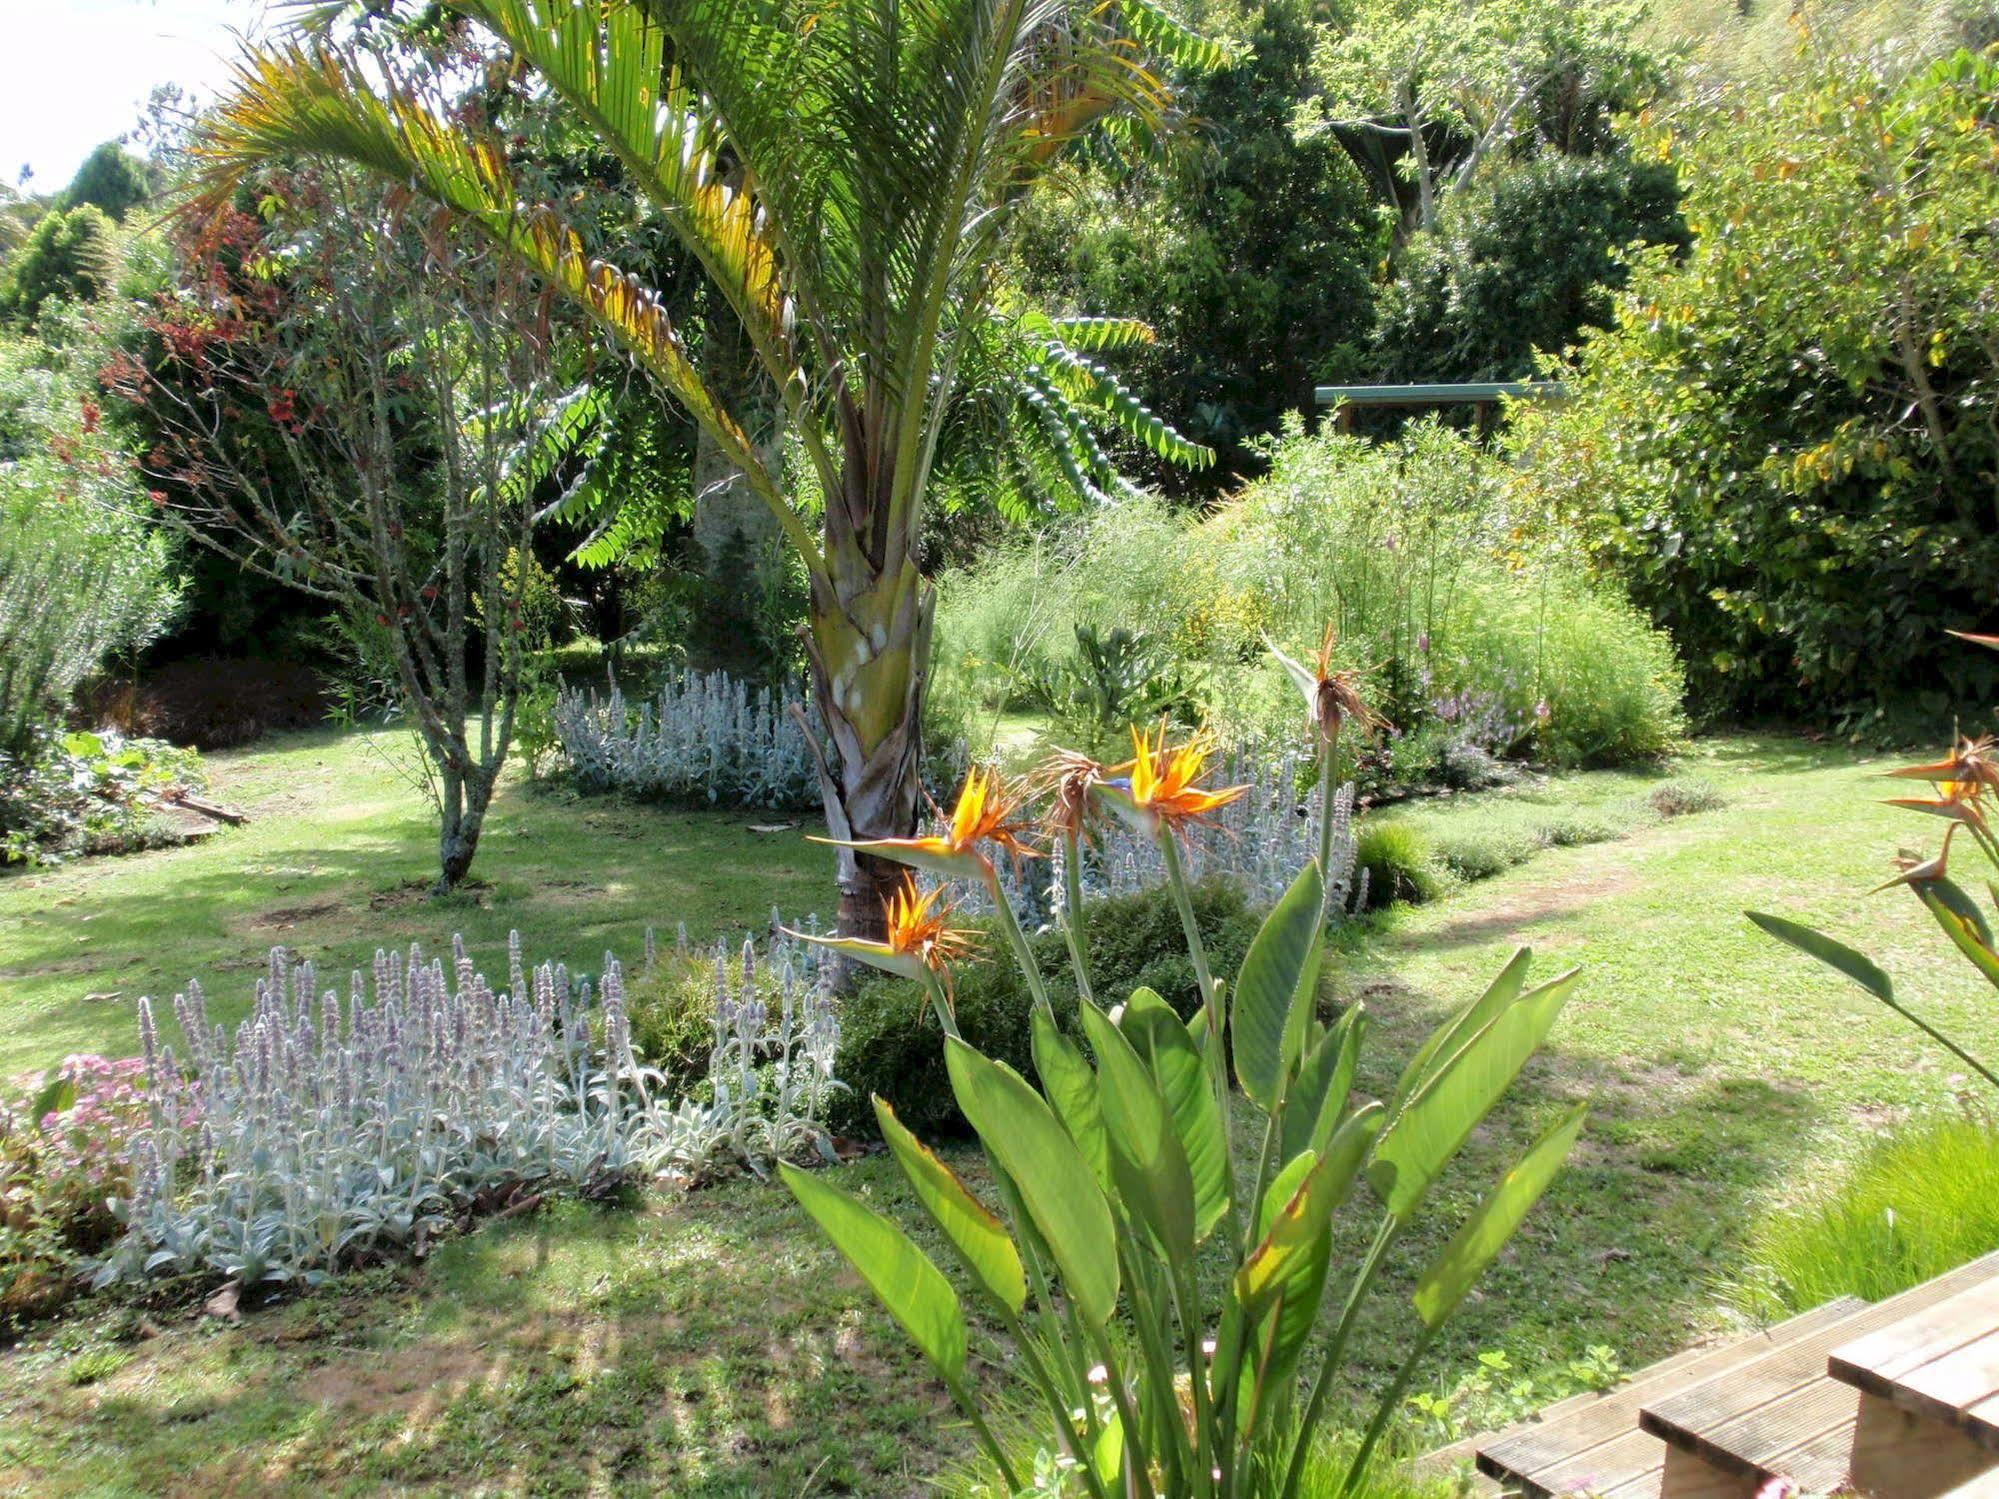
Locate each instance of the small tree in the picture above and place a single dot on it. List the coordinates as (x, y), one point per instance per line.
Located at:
(1449, 85)
(359, 405)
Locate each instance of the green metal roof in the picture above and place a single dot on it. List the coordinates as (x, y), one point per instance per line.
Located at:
(1433, 395)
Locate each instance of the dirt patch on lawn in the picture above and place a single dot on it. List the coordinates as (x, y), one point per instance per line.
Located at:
(290, 916)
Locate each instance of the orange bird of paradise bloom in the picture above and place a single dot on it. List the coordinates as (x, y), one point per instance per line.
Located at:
(984, 814)
(1158, 786)
(1961, 782)
(921, 939)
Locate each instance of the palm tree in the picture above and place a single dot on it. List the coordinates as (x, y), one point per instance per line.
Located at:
(844, 172)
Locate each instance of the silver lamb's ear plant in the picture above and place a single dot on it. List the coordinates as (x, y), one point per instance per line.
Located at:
(1116, 1171)
(316, 1138)
(703, 736)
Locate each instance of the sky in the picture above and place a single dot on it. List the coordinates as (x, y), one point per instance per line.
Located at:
(75, 73)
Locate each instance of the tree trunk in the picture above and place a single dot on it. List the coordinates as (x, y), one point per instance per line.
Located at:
(870, 657)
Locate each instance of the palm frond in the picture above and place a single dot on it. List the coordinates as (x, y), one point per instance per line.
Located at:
(296, 99)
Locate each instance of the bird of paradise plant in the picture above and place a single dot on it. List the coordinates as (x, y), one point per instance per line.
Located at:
(1112, 1174)
(845, 173)
(1963, 782)
(1332, 700)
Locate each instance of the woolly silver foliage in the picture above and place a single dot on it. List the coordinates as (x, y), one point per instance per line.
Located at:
(704, 736)
(317, 1133)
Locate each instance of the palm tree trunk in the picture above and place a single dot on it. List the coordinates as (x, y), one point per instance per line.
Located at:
(870, 656)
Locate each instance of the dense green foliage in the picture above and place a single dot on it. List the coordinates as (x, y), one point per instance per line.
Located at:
(1473, 629)
(70, 256)
(83, 575)
(1923, 1201)
(111, 179)
(1521, 263)
(1249, 249)
(891, 1047)
(1785, 445)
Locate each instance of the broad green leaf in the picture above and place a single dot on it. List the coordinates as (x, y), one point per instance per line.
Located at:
(1283, 1187)
(1963, 923)
(1274, 991)
(1474, 1246)
(1445, 1040)
(1282, 1254)
(1054, 1181)
(1318, 1098)
(973, 1229)
(1150, 1166)
(912, 1288)
(58, 1096)
(1174, 1057)
(1856, 966)
(1427, 1131)
(1072, 1092)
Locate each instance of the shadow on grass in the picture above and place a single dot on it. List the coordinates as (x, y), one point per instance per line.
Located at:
(696, 1349)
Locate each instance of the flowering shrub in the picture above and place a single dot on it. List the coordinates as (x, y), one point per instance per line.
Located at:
(704, 736)
(62, 1157)
(325, 1133)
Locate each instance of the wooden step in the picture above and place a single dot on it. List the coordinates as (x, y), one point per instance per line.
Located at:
(1780, 1414)
(1593, 1442)
(1929, 1396)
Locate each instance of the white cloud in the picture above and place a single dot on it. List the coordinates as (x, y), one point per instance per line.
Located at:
(77, 72)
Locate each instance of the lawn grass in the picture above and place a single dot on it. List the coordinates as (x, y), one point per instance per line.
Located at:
(713, 1345)
(335, 862)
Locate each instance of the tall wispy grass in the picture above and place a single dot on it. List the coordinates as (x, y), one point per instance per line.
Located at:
(1923, 1201)
(1466, 617)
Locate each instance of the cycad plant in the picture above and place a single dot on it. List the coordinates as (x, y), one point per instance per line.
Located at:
(844, 173)
(1119, 1187)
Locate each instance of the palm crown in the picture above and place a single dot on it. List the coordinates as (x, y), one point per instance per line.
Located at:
(843, 171)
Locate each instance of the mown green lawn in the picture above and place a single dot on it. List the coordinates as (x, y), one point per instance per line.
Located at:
(335, 862)
(712, 1345)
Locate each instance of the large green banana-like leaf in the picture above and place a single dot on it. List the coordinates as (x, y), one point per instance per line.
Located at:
(1275, 989)
(1054, 1181)
(1443, 1043)
(1962, 922)
(1071, 1088)
(902, 1276)
(1154, 1183)
(1427, 1130)
(1283, 1255)
(1457, 1269)
(973, 1229)
(1174, 1059)
(1835, 955)
(1318, 1099)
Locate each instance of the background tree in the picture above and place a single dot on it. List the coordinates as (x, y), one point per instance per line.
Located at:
(846, 174)
(1787, 443)
(111, 179)
(1520, 263)
(1250, 251)
(1435, 90)
(360, 406)
(70, 256)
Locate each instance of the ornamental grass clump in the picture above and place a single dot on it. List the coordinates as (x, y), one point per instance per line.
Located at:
(1113, 1174)
(702, 737)
(319, 1134)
